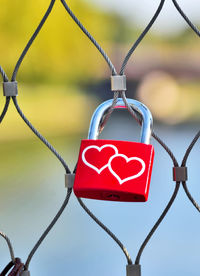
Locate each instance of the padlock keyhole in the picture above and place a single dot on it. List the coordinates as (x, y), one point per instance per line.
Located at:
(113, 197)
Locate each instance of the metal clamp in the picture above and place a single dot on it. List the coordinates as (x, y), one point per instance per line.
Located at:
(180, 174)
(69, 180)
(133, 270)
(118, 83)
(10, 88)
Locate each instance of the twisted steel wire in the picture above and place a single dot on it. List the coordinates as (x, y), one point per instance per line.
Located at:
(34, 130)
(91, 38)
(104, 227)
(105, 56)
(46, 232)
(17, 268)
(116, 94)
(5, 109)
(30, 42)
(7, 102)
(110, 111)
(3, 74)
(183, 164)
(195, 139)
(143, 34)
(156, 225)
(7, 268)
(12, 255)
(177, 186)
(108, 231)
(185, 17)
(184, 161)
(123, 95)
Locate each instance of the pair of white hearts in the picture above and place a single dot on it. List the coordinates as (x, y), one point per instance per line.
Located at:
(121, 181)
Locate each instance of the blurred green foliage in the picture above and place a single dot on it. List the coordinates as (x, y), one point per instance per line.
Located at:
(54, 110)
(61, 52)
(62, 58)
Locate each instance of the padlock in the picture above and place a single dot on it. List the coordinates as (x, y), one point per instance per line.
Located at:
(115, 170)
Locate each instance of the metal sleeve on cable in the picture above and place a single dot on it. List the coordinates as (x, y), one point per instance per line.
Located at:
(10, 88)
(133, 270)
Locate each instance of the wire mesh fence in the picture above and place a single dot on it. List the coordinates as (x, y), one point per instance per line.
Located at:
(11, 91)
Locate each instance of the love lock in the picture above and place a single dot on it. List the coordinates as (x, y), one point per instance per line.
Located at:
(115, 170)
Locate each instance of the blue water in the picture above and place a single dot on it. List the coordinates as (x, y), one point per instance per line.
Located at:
(32, 185)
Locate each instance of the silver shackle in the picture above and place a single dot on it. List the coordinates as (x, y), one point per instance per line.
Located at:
(102, 110)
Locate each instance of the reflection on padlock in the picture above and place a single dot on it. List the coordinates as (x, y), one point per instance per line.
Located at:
(115, 170)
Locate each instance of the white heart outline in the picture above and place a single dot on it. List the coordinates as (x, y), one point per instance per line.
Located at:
(99, 149)
(121, 181)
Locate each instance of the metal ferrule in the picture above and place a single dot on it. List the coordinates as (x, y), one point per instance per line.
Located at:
(102, 110)
(118, 83)
(10, 88)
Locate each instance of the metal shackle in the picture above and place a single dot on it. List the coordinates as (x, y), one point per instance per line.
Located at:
(102, 110)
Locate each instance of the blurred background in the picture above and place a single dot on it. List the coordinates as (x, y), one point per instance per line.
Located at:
(61, 81)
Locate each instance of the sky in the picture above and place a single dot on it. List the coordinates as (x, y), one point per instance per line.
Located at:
(140, 12)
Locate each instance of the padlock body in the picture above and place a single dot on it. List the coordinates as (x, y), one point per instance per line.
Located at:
(114, 170)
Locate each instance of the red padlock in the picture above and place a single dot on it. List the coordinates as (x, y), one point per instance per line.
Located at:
(115, 170)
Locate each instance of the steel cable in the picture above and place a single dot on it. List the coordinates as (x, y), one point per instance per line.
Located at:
(156, 225)
(7, 268)
(116, 94)
(164, 213)
(30, 42)
(3, 74)
(184, 161)
(135, 116)
(17, 269)
(183, 164)
(67, 171)
(108, 231)
(91, 38)
(128, 56)
(146, 30)
(104, 227)
(12, 255)
(177, 186)
(5, 108)
(110, 111)
(192, 26)
(35, 131)
(46, 232)
(195, 139)
(191, 198)
(68, 193)
(105, 56)
(101, 51)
